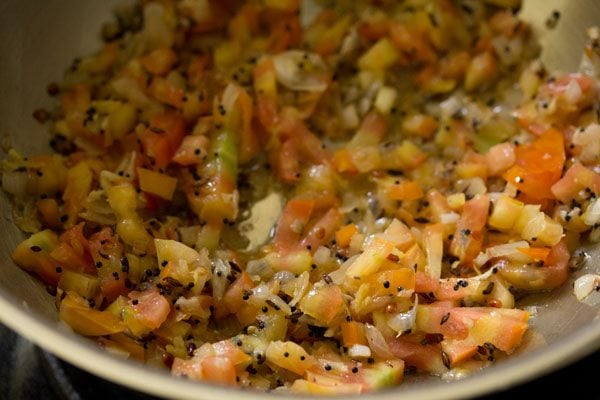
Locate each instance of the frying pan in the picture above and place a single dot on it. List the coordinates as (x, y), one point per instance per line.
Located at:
(38, 39)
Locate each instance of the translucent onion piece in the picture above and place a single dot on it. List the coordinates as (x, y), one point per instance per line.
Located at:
(219, 278)
(592, 214)
(377, 342)
(301, 288)
(300, 70)
(359, 351)
(404, 321)
(585, 285)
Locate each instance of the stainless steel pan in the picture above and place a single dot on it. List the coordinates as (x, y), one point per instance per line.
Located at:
(37, 41)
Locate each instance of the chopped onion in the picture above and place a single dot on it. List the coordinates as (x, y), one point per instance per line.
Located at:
(471, 186)
(385, 99)
(221, 269)
(507, 249)
(404, 321)
(449, 218)
(589, 140)
(339, 275)
(260, 267)
(300, 70)
(283, 276)
(156, 32)
(451, 106)
(230, 96)
(189, 234)
(350, 117)
(359, 351)
(322, 255)
(130, 90)
(481, 258)
(260, 294)
(301, 288)
(585, 285)
(592, 214)
(278, 301)
(377, 342)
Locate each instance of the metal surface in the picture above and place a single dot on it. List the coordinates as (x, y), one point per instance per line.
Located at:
(39, 39)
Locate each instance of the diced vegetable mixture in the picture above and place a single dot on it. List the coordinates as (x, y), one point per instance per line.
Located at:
(313, 199)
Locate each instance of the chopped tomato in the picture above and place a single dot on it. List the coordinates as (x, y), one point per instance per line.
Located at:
(353, 333)
(150, 307)
(323, 230)
(76, 312)
(219, 370)
(575, 179)
(425, 357)
(227, 349)
(414, 46)
(538, 165)
(106, 253)
(324, 303)
(405, 191)
(292, 222)
(551, 275)
(193, 150)
(33, 254)
(465, 328)
(159, 61)
(166, 92)
(285, 33)
(467, 239)
(74, 250)
(79, 184)
(344, 235)
(162, 138)
(288, 164)
(499, 158)
(232, 300)
(425, 283)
